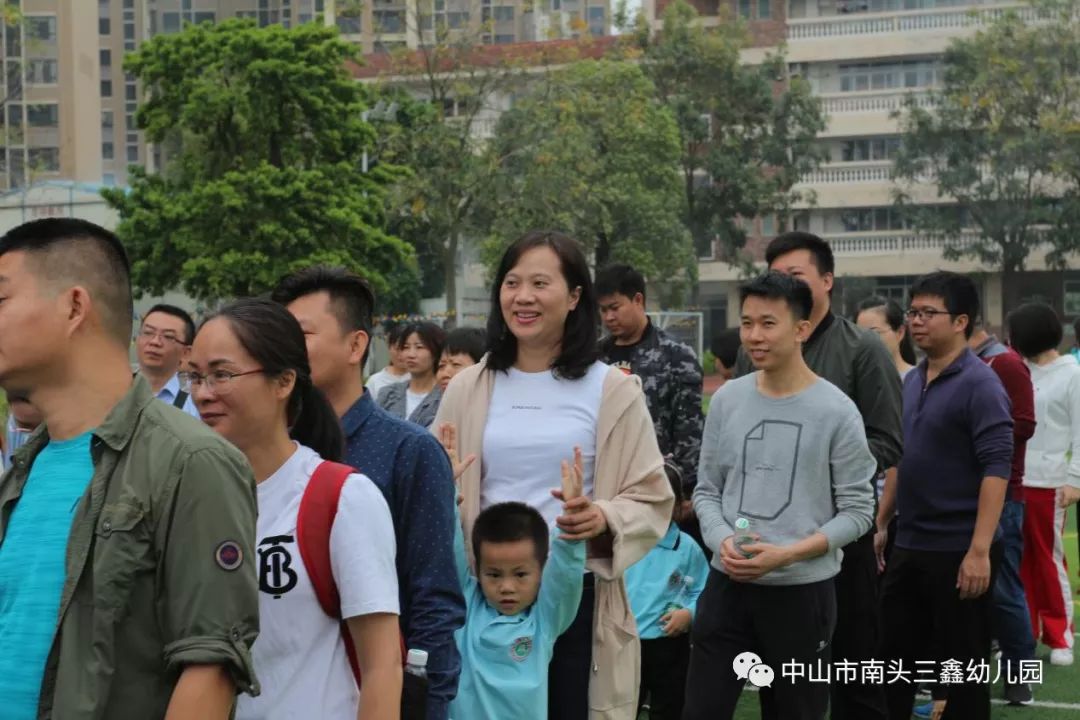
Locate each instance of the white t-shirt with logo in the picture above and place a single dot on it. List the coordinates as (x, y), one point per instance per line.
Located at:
(299, 656)
(533, 423)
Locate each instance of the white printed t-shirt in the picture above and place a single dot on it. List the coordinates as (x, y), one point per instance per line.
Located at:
(299, 656)
(534, 421)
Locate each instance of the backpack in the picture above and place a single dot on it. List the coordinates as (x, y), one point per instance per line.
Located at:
(314, 521)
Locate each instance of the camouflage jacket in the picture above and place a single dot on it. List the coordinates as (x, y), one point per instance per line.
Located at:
(671, 378)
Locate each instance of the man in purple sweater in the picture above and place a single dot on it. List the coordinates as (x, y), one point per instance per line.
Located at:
(953, 477)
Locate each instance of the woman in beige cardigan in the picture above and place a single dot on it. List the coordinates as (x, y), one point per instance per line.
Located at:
(539, 393)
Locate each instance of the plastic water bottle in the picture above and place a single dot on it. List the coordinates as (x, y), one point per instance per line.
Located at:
(414, 690)
(682, 597)
(743, 536)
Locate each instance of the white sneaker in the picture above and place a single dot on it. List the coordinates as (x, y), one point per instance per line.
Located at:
(1061, 656)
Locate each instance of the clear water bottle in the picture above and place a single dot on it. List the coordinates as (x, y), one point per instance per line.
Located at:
(682, 597)
(743, 536)
(414, 690)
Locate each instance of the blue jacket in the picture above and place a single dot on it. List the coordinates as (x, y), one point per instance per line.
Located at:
(656, 580)
(957, 431)
(413, 472)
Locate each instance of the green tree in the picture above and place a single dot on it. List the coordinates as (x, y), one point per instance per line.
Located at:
(266, 172)
(747, 132)
(592, 153)
(1001, 144)
(444, 93)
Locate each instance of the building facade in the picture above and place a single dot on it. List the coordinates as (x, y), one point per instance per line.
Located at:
(862, 57)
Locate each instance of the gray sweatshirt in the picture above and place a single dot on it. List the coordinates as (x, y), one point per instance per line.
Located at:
(792, 466)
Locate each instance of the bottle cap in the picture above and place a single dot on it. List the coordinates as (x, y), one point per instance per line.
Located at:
(742, 524)
(417, 658)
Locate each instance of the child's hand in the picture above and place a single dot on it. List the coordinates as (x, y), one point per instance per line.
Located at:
(448, 439)
(676, 622)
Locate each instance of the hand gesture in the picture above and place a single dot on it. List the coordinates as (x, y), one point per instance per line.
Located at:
(675, 622)
(448, 439)
(581, 520)
(1069, 496)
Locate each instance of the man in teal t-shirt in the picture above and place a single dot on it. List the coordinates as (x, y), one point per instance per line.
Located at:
(32, 579)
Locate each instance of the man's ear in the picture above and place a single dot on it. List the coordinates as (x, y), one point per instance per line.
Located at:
(358, 345)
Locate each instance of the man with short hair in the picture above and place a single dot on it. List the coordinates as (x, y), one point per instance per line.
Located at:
(669, 370)
(856, 361)
(952, 481)
(407, 463)
(785, 451)
(1012, 622)
(127, 530)
(163, 343)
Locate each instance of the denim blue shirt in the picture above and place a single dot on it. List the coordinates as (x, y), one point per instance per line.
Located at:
(413, 472)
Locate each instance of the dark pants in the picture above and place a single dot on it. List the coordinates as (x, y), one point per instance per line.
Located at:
(856, 637)
(571, 663)
(1011, 619)
(925, 620)
(781, 624)
(664, 663)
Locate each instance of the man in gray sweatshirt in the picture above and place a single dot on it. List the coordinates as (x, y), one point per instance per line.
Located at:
(786, 451)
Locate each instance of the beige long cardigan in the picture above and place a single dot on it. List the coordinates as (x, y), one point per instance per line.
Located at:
(629, 486)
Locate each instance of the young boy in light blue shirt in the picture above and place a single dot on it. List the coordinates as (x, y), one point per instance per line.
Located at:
(663, 588)
(525, 598)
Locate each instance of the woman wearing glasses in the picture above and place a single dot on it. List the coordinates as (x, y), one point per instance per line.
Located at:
(250, 379)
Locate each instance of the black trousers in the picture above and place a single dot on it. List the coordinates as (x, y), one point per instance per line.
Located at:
(571, 664)
(664, 663)
(781, 624)
(925, 620)
(856, 637)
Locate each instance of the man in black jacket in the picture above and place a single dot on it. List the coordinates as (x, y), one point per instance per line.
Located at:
(855, 361)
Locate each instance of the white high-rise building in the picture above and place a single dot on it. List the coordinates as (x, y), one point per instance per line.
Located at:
(862, 57)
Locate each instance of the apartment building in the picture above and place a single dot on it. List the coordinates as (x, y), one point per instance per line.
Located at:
(862, 57)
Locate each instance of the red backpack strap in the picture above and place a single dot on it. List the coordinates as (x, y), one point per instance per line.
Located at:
(314, 521)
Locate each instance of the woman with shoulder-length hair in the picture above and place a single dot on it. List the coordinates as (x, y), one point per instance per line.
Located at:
(539, 393)
(249, 377)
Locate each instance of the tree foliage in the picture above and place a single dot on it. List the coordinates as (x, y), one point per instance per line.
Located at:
(589, 151)
(747, 132)
(1001, 143)
(267, 170)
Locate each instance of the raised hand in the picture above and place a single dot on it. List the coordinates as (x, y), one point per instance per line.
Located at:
(448, 439)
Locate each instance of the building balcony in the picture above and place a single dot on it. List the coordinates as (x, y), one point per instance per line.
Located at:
(893, 243)
(889, 34)
(854, 114)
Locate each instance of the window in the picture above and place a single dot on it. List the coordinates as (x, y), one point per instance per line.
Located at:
(889, 75)
(866, 149)
(504, 39)
(13, 41)
(768, 226)
(41, 28)
(14, 116)
(349, 24)
(43, 72)
(106, 88)
(457, 20)
(170, 22)
(597, 25)
(203, 17)
(107, 151)
(129, 31)
(745, 9)
(45, 159)
(764, 9)
(106, 119)
(133, 153)
(129, 4)
(105, 57)
(104, 26)
(129, 122)
(872, 219)
(44, 115)
(390, 21)
(108, 179)
(503, 13)
(131, 92)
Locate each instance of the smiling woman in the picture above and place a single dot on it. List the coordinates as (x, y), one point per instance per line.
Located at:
(538, 394)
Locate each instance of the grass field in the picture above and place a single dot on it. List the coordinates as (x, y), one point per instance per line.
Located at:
(1058, 698)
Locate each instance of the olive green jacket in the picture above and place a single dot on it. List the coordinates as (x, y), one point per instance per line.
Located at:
(159, 564)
